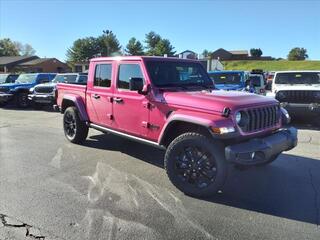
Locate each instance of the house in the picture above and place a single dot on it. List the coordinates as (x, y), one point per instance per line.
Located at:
(187, 54)
(79, 66)
(7, 64)
(43, 65)
(225, 55)
(31, 64)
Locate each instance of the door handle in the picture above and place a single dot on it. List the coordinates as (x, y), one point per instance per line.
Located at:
(118, 100)
(96, 96)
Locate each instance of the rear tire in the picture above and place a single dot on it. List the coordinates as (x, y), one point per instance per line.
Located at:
(75, 130)
(196, 165)
(3, 104)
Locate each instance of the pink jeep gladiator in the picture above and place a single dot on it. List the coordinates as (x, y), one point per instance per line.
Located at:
(172, 103)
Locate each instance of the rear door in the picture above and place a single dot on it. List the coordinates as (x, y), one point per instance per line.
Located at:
(99, 94)
(129, 107)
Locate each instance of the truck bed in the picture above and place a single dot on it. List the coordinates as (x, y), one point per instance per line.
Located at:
(72, 90)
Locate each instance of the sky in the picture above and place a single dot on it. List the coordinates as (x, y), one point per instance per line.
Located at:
(275, 26)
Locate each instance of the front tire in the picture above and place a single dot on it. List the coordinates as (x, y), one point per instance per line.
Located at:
(75, 130)
(196, 164)
(22, 100)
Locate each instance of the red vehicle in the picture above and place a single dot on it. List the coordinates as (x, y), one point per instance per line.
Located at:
(171, 103)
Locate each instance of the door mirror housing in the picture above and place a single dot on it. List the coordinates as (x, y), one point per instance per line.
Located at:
(136, 84)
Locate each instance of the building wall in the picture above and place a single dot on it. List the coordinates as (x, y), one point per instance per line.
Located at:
(47, 66)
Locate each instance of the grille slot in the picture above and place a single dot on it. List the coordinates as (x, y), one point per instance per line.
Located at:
(298, 96)
(261, 118)
(42, 89)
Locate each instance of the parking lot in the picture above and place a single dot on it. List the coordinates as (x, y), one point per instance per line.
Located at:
(113, 188)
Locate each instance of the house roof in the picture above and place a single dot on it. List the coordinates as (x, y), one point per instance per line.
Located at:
(187, 51)
(15, 59)
(37, 61)
(239, 52)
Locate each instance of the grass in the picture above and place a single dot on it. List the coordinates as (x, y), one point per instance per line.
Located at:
(272, 65)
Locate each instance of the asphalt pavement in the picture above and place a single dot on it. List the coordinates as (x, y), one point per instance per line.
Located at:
(113, 188)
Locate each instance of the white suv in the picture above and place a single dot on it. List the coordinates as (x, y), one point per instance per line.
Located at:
(298, 91)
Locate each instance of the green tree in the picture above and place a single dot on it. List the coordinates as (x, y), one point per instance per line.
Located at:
(206, 53)
(83, 49)
(8, 48)
(297, 54)
(134, 47)
(256, 52)
(109, 44)
(152, 39)
(164, 47)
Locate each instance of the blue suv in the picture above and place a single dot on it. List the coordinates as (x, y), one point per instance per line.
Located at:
(229, 80)
(19, 90)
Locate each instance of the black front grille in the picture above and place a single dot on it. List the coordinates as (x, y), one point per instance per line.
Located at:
(43, 89)
(298, 96)
(257, 119)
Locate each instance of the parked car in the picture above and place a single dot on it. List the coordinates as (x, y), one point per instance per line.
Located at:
(257, 82)
(19, 90)
(270, 76)
(298, 91)
(229, 80)
(171, 103)
(45, 93)
(8, 78)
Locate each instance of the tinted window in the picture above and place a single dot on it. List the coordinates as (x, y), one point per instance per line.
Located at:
(226, 78)
(103, 75)
(164, 74)
(65, 78)
(298, 78)
(255, 80)
(43, 78)
(127, 71)
(82, 79)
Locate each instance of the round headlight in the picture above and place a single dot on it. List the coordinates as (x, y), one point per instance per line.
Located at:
(281, 94)
(238, 117)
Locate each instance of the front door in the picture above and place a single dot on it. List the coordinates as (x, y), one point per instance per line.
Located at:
(99, 95)
(129, 107)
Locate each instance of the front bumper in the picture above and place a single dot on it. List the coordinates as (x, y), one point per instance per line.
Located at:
(301, 108)
(260, 150)
(5, 97)
(41, 98)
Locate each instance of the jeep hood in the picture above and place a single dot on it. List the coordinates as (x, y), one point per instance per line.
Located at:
(288, 87)
(15, 85)
(50, 84)
(228, 86)
(216, 100)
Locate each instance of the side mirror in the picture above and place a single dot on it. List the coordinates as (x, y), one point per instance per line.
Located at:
(136, 84)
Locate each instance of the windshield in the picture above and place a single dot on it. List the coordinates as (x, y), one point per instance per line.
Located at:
(171, 73)
(255, 81)
(65, 78)
(226, 78)
(298, 78)
(3, 78)
(26, 78)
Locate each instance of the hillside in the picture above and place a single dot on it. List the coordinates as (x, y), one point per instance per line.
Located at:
(272, 65)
